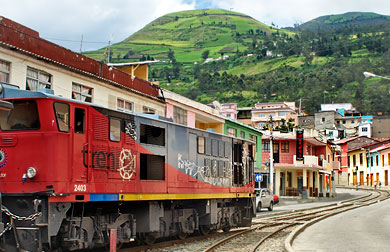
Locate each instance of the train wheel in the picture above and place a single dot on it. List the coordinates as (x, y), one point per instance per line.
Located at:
(226, 228)
(181, 235)
(149, 239)
(204, 229)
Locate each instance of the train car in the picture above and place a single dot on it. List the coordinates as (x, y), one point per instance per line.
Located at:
(71, 172)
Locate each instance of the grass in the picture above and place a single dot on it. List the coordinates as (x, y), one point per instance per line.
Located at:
(188, 34)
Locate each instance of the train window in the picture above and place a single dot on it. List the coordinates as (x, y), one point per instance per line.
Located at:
(221, 149)
(220, 168)
(214, 147)
(23, 116)
(227, 170)
(152, 135)
(208, 146)
(115, 129)
(207, 167)
(79, 115)
(227, 149)
(152, 167)
(62, 115)
(201, 145)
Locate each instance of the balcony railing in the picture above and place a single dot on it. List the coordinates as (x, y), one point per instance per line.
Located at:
(335, 165)
(308, 160)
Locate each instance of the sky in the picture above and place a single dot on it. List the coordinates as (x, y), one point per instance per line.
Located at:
(96, 22)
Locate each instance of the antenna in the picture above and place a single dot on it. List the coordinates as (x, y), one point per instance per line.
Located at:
(81, 43)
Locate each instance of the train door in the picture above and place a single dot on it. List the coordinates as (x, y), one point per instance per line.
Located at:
(237, 163)
(80, 146)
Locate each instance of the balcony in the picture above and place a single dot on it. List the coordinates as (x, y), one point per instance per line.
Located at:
(335, 165)
(308, 160)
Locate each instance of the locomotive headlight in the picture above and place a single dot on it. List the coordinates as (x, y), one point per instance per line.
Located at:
(31, 172)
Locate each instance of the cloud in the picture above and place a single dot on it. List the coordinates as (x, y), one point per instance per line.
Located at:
(286, 12)
(64, 22)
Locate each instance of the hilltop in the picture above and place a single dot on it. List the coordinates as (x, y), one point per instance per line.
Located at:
(340, 21)
(189, 34)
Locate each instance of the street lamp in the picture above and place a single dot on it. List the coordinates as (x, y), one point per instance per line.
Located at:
(368, 75)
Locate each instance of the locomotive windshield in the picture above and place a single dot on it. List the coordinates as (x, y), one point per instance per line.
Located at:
(23, 116)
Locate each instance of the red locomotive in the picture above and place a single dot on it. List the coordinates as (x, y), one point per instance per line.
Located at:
(71, 171)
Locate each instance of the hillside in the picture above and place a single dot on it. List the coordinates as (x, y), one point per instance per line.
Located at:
(264, 64)
(340, 21)
(189, 34)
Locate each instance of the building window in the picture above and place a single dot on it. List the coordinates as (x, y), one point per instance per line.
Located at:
(242, 134)
(377, 160)
(323, 119)
(4, 71)
(354, 160)
(353, 121)
(123, 105)
(308, 149)
(349, 161)
(365, 129)
(179, 115)
(283, 113)
(37, 79)
(261, 125)
(261, 115)
(361, 158)
(383, 160)
(231, 131)
(285, 147)
(344, 122)
(81, 93)
(147, 110)
(266, 146)
(253, 138)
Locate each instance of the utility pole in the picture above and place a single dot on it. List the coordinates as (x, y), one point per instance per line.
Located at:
(271, 157)
(108, 52)
(81, 43)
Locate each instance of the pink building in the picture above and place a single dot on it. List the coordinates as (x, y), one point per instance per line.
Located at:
(307, 177)
(229, 110)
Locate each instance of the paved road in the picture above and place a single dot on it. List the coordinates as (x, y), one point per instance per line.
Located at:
(286, 205)
(362, 229)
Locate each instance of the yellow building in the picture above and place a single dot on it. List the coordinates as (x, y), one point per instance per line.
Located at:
(357, 167)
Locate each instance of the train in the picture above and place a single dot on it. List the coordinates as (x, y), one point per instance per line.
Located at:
(75, 175)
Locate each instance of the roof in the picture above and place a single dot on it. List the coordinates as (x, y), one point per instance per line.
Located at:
(381, 148)
(243, 124)
(346, 140)
(26, 41)
(311, 140)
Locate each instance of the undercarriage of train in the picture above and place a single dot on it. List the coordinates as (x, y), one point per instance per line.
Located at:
(74, 226)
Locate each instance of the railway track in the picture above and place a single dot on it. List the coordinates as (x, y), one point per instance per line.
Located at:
(269, 232)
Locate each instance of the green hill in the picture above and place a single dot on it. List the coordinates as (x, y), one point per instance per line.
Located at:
(349, 19)
(265, 63)
(189, 34)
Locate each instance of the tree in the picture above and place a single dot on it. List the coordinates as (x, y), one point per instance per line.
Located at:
(171, 55)
(205, 54)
